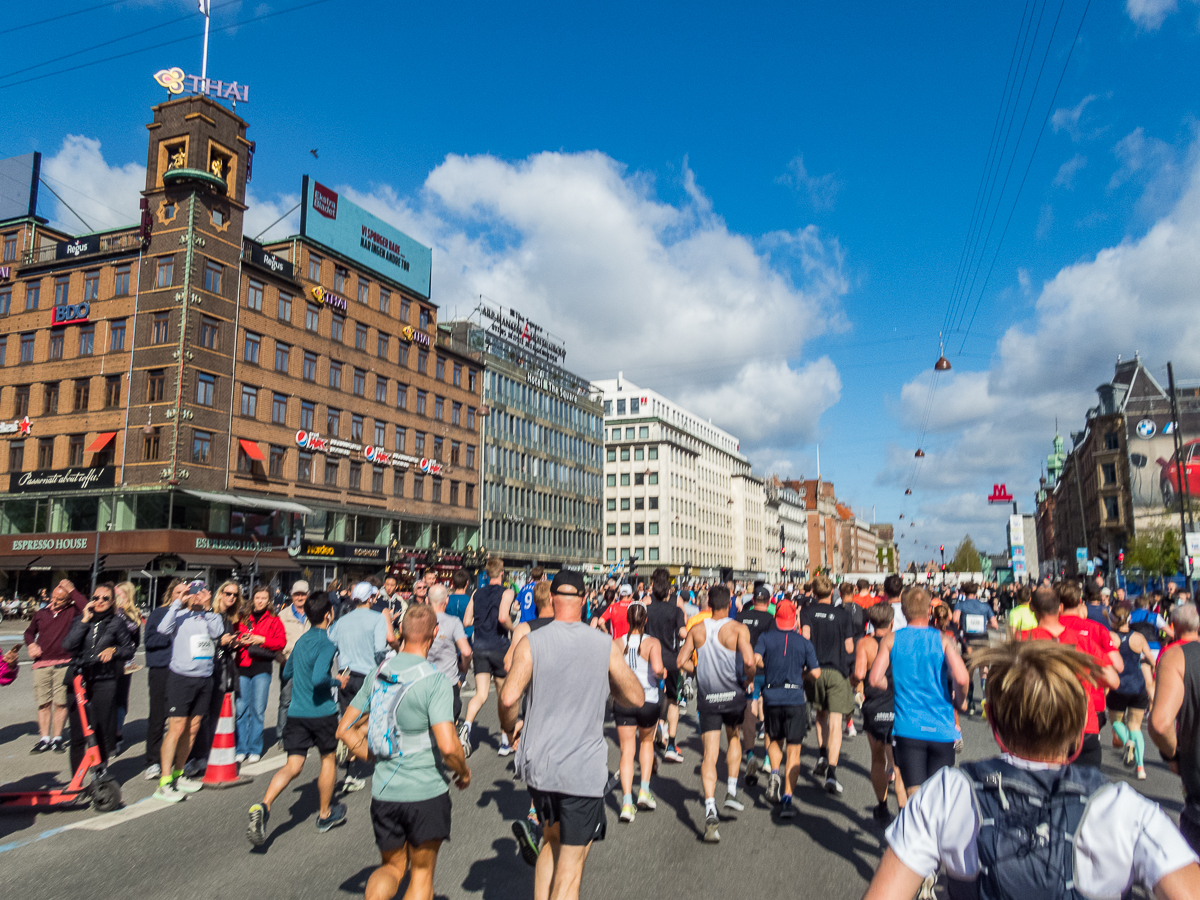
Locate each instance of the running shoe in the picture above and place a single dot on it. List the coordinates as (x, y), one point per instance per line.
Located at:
(240, 758)
(340, 755)
(733, 803)
(821, 766)
(256, 831)
(664, 735)
(850, 729)
(927, 888)
(832, 786)
(753, 767)
(882, 815)
(774, 787)
(628, 811)
(1141, 773)
(253, 758)
(58, 745)
(188, 785)
(42, 746)
(1128, 757)
(645, 800)
(505, 749)
(168, 793)
(711, 835)
(672, 754)
(786, 809)
(153, 771)
(352, 784)
(464, 737)
(1116, 741)
(958, 744)
(336, 817)
(119, 747)
(526, 842)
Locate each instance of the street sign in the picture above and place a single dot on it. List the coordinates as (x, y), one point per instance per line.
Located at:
(1193, 543)
(1081, 560)
(1000, 494)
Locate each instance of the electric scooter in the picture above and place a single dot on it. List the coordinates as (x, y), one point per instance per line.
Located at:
(103, 791)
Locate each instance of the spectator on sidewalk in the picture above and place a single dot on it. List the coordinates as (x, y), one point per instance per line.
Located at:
(8, 665)
(226, 603)
(158, 660)
(295, 623)
(127, 609)
(44, 643)
(261, 638)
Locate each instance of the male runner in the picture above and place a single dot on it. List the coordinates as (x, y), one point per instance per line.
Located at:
(360, 636)
(525, 596)
(666, 623)
(757, 618)
(831, 632)
(717, 642)
(973, 618)
(491, 607)
(785, 659)
(450, 652)
(562, 755)
(614, 616)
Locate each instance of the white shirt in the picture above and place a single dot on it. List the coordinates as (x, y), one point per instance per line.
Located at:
(1123, 837)
(898, 620)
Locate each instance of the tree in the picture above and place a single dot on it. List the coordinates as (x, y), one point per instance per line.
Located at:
(966, 557)
(1153, 551)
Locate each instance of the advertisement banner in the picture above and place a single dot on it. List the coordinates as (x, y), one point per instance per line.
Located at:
(269, 261)
(20, 176)
(349, 229)
(1154, 478)
(74, 479)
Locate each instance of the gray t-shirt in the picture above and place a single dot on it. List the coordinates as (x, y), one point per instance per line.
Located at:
(562, 747)
(443, 654)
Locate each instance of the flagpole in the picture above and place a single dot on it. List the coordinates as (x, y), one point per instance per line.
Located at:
(204, 63)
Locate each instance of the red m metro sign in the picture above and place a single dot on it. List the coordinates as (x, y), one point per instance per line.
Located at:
(1000, 494)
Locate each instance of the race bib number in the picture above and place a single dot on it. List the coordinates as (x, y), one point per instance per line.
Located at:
(202, 647)
(975, 623)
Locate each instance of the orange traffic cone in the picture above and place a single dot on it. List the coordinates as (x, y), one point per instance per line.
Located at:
(222, 771)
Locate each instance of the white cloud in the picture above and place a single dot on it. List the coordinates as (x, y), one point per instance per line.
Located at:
(822, 190)
(1067, 119)
(1150, 14)
(1066, 172)
(104, 196)
(279, 217)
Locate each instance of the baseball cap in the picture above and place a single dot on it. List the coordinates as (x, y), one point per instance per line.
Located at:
(567, 579)
(300, 587)
(361, 592)
(785, 615)
(626, 590)
(762, 592)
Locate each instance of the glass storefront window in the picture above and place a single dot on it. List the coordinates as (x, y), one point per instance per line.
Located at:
(25, 517)
(335, 526)
(74, 514)
(415, 534)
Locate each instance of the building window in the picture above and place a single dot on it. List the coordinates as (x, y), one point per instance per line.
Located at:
(440, 368)
(653, 527)
(610, 505)
(1109, 472)
(249, 401)
(454, 493)
(1110, 441)
(639, 478)
(385, 301)
(610, 480)
(611, 456)
(644, 430)
(456, 414)
(10, 247)
(457, 375)
(312, 316)
(398, 484)
(364, 291)
(639, 503)
(166, 272)
(377, 479)
(624, 504)
(439, 405)
(91, 287)
(360, 336)
(279, 409)
(401, 396)
(639, 454)
(471, 417)
(83, 388)
(624, 454)
(469, 496)
(380, 389)
(610, 555)
(281, 357)
(121, 281)
(50, 399)
(629, 434)
(253, 345)
(33, 293)
(338, 328)
(201, 447)
(611, 528)
(356, 427)
(402, 356)
(380, 433)
(275, 462)
(62, 290)
(206, 386)
(437, 490)
(340, 276)
(112, 391)
(21, 403)
(150, 446)
(16, 456)
(331, 473)
(87, 340)
(653, 479)
(425, 319)
(654, 554)
(57, 339)
(360, 382)
(470, 456)
(116, 335)
(5, 300)
(653, 454)
(1112, 509)
(284, 310)
(208, 333)
(423, 362)
(333, 421)
(314, 267)
(625, 480)
(159, 330)
(653, 502)
(419, 443)
(420, 403)
(624, 528)
(401, 439)
(356, 476)
(308, 414)
(245, 465)
(382, 347)
(212, 276)
(304, 470)
(405, 309)
(155, 385)
(254, 297)
(75, 450)
(309, 368)
(418, 486)
(335, 371)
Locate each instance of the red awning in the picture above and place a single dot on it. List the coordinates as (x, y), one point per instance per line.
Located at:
(101, 441)
(251, 449)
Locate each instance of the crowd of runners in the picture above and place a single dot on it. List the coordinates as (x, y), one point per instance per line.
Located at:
(371, 677)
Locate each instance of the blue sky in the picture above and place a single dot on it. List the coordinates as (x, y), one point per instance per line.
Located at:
(759, 212)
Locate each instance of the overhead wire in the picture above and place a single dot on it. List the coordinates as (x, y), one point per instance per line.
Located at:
(60, 17)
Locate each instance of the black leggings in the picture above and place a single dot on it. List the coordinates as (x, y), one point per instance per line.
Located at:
(102, 695)
(918, 760)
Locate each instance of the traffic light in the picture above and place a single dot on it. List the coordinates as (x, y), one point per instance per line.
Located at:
(942, 548)
(1120, 557)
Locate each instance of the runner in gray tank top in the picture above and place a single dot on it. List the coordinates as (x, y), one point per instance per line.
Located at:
(712, 650)
(569, 670)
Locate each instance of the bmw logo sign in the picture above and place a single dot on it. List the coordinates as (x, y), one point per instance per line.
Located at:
(1146, 428)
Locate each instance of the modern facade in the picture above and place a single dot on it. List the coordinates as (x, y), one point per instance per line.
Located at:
(750, 532)
(541, 467)
(786, 526)
(187, 398)
(859, 543)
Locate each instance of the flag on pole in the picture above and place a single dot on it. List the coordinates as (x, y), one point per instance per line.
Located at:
(205, 5)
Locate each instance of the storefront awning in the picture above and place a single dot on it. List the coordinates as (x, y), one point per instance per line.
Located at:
(101, 441)
(252, 502)
(114, 562)
(251, 449)
(18, 562)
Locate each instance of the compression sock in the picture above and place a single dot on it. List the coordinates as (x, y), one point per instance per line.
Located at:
(1139, 747)
(831, 773)
(731, 786)
(627, 799)
(710, 806)
(644, 787)
(1121, 730)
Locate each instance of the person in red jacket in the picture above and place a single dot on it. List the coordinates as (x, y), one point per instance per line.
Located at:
(260, 636)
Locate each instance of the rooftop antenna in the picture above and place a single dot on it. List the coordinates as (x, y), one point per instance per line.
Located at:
(206, 8)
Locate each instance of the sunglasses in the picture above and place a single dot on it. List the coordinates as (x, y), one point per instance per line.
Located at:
(102, 598)
(229, 591)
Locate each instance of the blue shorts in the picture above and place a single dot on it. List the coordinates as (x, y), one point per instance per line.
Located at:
(759, 681)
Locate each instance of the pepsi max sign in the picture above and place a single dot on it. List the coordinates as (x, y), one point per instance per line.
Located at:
(70, 314)
(311, 440)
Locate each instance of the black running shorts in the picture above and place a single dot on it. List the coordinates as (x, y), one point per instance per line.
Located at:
(671, 687)
(413, 823)
(644, 716)
(786, 723)
(187, 695)
(300, 733)
(714, 720)
(580, 820)
(1121, 702)
(918, 760)
(490, 662)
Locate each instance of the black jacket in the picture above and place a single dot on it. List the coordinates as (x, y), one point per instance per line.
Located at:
(86, 640)
(158, 646)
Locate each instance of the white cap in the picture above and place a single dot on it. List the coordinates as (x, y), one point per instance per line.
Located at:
(362, 592)
(626, 590)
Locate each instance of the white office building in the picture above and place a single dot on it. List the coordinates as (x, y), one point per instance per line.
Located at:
(786, 524)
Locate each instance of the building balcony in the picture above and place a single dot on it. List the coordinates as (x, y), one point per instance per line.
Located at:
(95, 246)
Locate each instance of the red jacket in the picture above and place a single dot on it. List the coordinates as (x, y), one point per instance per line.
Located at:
(1084, 644)
(267, 625)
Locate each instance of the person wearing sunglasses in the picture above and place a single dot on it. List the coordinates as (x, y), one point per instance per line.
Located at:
(100, 644)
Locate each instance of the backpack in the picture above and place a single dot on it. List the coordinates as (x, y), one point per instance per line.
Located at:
(858, 618)
(384, 737)
(1027, 826)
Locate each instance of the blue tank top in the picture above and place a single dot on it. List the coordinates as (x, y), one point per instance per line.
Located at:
(456, 605)
(921, 686)
(1133, 682)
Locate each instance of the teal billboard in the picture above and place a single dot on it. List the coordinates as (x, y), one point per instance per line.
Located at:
(350, 230)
